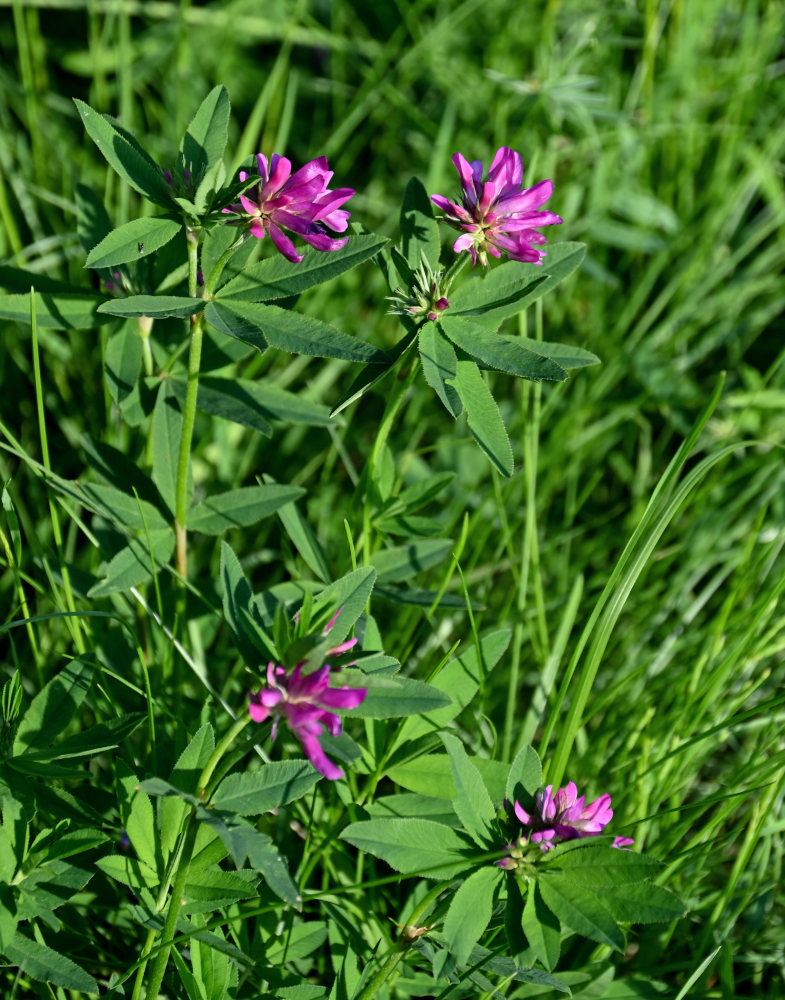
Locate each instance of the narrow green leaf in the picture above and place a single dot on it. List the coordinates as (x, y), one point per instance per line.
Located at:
(42, 963)
(440, 366)
(55, 310)
(185, 774)
(166, 433)
(89, 742)
(54, 706)
(252, 404)
(432, 775)
(136, 814)
(581, 910)
(228, 322)
(348, 596)
(472, 803)
(642, 903)
(505, 354)
(525, 773)
(278, 278)
(132, 565)
(511, 286)
(391, 697)
(239, 508)
(257, 792)
(292, 332)
(567, 355)
(470, 911)
(153, 306)
(129, 871)
(205, 138)
(125, 512)
(209, 890)
(132, 241)
(404, 561)
(600, 865)
(93, 222)
(419, 229)
(413, 846)
(123, 361)
(238, 608)
(541, 928)
(485, 422)
(125, 155)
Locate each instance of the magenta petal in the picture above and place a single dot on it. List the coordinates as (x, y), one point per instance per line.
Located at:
(317, 756)
(284, 244)
(522, 815)
(321, 241)
(343, 697)
(251, 207)
(257, 229)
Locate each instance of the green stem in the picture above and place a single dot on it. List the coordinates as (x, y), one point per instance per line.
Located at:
(173, 911)
(145, 329)
(220, 750)
(189, 412)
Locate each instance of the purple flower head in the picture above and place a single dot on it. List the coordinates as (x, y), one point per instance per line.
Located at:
(498, 214)
(300, 202)
(305, 701)
(564, 816)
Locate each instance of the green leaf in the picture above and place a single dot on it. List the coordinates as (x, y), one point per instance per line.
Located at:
(153, 306)
(136, 815)
(130, 871)
(238, 608)
(350, 594)
(600, 865)
(211, 889)
(460, 678)
(505, 354)
(46, 965)
(419, 229)
(440, 366)
(55, 311)
(413, 846)
(511, 286)
(432, 775)
(123, 361)
(642, 904)
(132, 565)
(123, 511)
(90, 742)
(54, 706)
(278, 278)
(49, 887)
(93, 222)
(185, 774)
(470, 911)
(239, 508)
(232, 325)
(541, 929)
(290, 331)
(132, 241)
(404, 561)
(252, 404)
(580, 909)
(205, 138)
(567, 355)
(525, 773)
(166, 434)
(472, 803)
(391, 697)
(257, 792)
(302, 537)
(125, 155)
(485, 422)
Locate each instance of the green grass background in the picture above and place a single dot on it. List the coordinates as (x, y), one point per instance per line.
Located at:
(660, 124)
